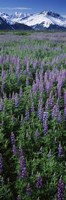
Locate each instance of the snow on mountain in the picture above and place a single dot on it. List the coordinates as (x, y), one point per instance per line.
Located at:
(19, 17)
(4, 15)
(43, 19)
(37, 19)
(14, 18)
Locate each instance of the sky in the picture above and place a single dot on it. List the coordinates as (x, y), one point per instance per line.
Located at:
(33, 6)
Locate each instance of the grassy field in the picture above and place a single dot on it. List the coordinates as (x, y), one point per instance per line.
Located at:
(33, 115)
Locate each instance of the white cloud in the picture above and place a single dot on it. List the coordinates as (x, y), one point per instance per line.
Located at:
(15, 8)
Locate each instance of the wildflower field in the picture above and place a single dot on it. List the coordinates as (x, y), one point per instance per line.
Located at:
(33, 116)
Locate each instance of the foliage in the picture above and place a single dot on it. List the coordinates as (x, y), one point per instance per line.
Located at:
(33, 120)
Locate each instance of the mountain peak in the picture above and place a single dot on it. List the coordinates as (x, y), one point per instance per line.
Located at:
(53, 14)
(42, 20)
(50, 13)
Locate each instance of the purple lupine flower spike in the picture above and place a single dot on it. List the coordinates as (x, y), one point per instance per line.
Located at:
(39, 182)
(45, 126)
(59, 117)
(35, 64)
(16, 100)
(55, 111)
(23, 170)
(12, 138)
(45, 116)
(13, 143)
(65, 113)
(60, 150)
(1, 105)
(40, 109)
(32, 107)
(27, 114)
(60, 192)
(45, 122)
(65, 98)
(14, 150)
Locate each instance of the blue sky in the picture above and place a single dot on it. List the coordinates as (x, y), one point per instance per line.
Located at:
(33, 6)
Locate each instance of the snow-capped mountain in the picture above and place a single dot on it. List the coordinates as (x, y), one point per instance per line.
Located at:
(46, 19)
(39, 21)
(14, 18)
(4, 15)
(4, 25)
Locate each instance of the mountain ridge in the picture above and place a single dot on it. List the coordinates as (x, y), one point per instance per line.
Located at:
(38, 21)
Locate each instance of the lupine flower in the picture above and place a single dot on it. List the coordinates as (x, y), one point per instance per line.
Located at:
(45, 127)
(27, 67)
(55, 111)
(65, 112)
(28, 190)
(13, 143)
(65, 98)
(60, 150)
(34, 88)
(17, 67)
(16, 100)
(45, 116)
(4, 96)
(51, 100)
(41, 87)
(35, 64)
(59, 117)
(32, 107)
(27, 114)
(40, 110)
(23, 169)
(1, 105)
(48, 86)
(27, 81)
(39, 182)
(45, 122)
(1, 164)
(47, 105)
(60, 192)
(12, 138)
(3, 73)
(59, 91)
(14, 150)
(2, 86)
